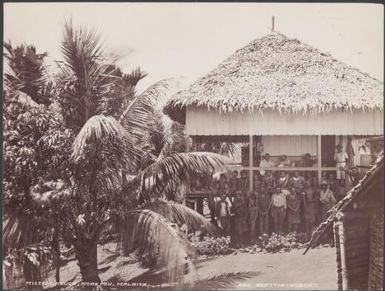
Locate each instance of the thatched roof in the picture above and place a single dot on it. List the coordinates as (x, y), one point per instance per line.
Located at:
(374, 175)
(280, 73)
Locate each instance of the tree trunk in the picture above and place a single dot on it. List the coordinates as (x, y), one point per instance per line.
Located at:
(87, 256)
(56, 250)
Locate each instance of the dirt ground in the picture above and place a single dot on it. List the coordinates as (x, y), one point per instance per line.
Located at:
(292, 270)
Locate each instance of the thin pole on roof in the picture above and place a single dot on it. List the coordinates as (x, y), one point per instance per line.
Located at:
(272, 24)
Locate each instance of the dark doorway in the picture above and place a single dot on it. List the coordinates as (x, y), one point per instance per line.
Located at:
(328, 144)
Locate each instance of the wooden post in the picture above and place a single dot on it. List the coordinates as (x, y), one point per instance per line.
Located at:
(251, 163)
(187, 141)
(344, 272)
(272, 24)
(319, 157)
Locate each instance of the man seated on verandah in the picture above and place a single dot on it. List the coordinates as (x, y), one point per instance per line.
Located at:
(284, 162)
(307, 161)
(266, 163)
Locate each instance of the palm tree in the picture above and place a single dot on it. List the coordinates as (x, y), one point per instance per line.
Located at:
(118, 178)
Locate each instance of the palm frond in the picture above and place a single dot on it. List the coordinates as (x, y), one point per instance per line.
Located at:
(26, 73)
(134, 77)
(18, 231)
(103, 128)
(180, 214)
(227, 280)
(227, 149)
(81, 48)
(138, 116)
(174, 169)
(149, 232)
(86, 76)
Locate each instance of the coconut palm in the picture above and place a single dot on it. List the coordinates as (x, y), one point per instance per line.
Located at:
(118, 178)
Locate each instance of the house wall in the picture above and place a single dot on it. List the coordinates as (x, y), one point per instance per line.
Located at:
(377, 249)
(202, 121)
(354, 233)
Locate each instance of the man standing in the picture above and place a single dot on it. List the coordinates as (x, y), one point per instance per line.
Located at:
(223, 214)
(340, 157)
(278, 209)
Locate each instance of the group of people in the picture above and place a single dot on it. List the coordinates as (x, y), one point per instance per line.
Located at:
(282, 200)
(289, 200)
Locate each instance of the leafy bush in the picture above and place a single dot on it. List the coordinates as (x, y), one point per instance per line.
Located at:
(276, 242)
(213, 246)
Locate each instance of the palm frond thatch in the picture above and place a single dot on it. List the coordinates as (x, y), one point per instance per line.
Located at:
(279, 73)
(176, 168)
(180, 214)
(149, 232)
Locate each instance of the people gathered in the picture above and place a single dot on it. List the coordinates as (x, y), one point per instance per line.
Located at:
(280, 201)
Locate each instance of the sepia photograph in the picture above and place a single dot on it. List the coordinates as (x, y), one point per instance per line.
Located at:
(193, 146)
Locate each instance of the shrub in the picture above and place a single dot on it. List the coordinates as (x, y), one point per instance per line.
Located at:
(213, 246)
(276, 242)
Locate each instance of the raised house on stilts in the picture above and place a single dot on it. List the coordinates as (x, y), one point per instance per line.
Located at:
(279, 96)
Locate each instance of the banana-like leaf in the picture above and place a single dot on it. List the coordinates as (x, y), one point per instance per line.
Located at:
(149, 232)
(180, 214)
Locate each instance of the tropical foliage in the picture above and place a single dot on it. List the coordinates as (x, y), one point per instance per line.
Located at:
(93, 157)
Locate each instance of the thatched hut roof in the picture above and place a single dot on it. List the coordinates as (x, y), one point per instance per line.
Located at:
(280, 73)
(374, 175)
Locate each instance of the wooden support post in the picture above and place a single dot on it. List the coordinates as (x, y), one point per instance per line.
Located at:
(251, 157)
(187, 141)
(200, 205)
(319, 157)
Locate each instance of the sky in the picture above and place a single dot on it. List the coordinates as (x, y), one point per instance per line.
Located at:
(187, 40)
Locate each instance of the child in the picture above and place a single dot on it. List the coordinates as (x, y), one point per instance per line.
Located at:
(293, 210)
(332, 182)
(234, 183)
(327, 199)
(244, 182)
(263, 211)
(309, 202)
(223, 214)
(257, 182)
(220, 185)
(240, 223)
(252, 207)
(297, 181)
(269, 182)
(340, 157)
(283, 180)
(278, 209)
